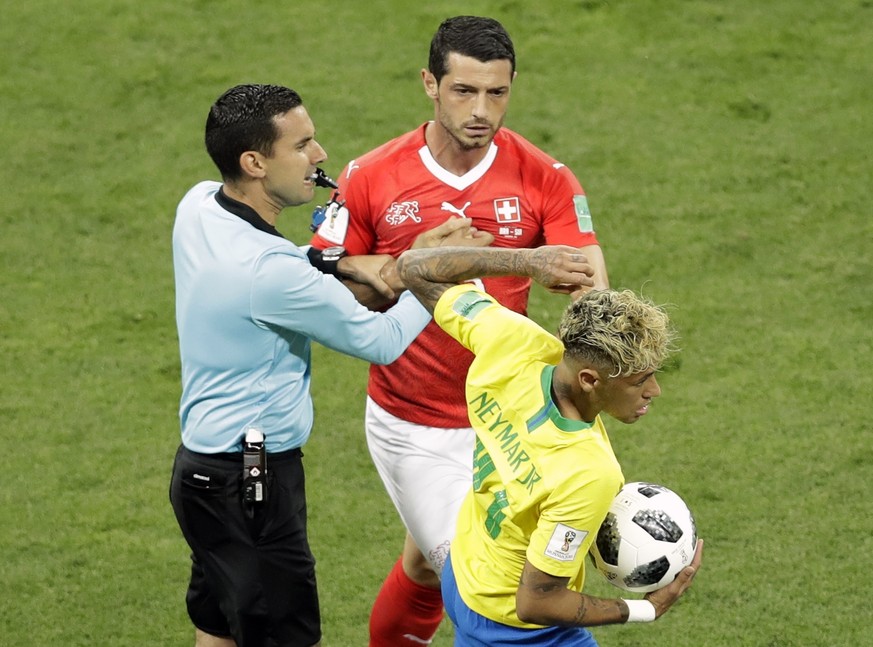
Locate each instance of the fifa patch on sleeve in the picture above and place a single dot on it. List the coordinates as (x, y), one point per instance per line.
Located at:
(469, 304)
(565, 543)
(335, 225)
(583, 215)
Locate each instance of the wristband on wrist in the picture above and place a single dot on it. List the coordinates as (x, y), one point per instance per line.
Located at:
(640, 610)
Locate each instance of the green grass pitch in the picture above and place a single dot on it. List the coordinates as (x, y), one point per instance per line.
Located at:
(725, 148)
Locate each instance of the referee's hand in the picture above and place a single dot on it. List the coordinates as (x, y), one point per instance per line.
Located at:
(368, 269)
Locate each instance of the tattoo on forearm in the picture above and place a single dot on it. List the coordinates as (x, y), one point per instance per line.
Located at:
(429, 278)
(580, 613)
(416, 279)
(540, 583)
(473, 262)
(448, 265)
(430, 293)
(597, 611)
(624, 610)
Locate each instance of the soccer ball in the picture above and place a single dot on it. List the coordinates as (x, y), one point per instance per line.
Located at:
(648, 536)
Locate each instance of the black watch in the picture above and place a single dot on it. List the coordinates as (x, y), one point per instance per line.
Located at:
(327, 260)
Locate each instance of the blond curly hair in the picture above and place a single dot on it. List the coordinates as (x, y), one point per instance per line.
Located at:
(617, 330)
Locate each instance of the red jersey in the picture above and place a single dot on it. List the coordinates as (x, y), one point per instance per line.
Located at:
(397, 191)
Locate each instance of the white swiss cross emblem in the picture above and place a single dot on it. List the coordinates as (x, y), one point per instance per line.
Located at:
(507, 210)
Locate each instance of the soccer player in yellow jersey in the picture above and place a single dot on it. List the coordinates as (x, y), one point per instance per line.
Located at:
(544, 471)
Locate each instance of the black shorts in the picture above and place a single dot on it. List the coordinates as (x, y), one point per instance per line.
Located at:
(252, 575)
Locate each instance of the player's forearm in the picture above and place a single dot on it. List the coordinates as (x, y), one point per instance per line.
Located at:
(568, 608)
(458, 264)
(428, 273)
(594, 254)
(544, 599)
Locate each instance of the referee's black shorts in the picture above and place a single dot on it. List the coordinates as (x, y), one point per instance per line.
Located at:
(252, 576)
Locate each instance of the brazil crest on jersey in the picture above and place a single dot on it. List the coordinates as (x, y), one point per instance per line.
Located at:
(542, 483)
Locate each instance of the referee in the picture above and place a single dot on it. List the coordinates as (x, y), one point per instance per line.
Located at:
(249, 303)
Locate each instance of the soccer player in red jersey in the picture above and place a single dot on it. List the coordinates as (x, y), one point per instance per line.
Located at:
(463, 164)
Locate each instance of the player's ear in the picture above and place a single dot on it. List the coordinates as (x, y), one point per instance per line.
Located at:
(252, 164)
(431, 87)
(588, 379)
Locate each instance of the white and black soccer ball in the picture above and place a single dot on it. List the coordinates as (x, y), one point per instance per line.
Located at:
(648, 536)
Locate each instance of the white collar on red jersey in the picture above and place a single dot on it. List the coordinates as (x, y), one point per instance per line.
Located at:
(459, 182)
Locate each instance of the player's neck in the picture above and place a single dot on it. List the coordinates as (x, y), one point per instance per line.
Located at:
(571, 402)
(448, 153)
(250, 194)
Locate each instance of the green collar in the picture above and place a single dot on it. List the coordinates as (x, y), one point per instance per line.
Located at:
(550, 410)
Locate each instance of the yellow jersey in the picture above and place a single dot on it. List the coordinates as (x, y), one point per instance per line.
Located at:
(542, 483)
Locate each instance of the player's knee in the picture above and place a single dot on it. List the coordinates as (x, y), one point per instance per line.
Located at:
(419, 568)
(422, 573)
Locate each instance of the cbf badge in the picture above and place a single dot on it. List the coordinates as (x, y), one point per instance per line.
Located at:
(583, 215)
(565, 543)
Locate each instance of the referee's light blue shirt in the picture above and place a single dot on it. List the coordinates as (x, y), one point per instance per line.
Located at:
(248, 305)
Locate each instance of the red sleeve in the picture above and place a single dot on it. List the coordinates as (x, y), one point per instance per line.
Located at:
(352, 226)
(567, 220)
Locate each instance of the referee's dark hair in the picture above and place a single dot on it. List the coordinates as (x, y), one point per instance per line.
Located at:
(241, 120)
(484, 39)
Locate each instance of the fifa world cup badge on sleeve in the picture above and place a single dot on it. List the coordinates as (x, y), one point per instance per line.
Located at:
(335, 223)
(565, 542)
(583, 215)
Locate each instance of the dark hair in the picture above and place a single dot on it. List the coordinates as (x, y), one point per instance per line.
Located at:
(241, 120)
(484, 39)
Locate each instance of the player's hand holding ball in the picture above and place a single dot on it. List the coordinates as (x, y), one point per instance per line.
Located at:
(665, 597)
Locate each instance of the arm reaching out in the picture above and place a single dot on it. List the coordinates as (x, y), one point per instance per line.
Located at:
(430, 272)
(374, 279)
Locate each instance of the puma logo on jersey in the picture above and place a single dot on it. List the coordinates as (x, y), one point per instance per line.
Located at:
(447, 206)
(399, 212)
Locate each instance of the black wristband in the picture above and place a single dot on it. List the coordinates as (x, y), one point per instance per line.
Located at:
(327, 260)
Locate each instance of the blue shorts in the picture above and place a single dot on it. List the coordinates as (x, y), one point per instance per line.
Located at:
(474, 630)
